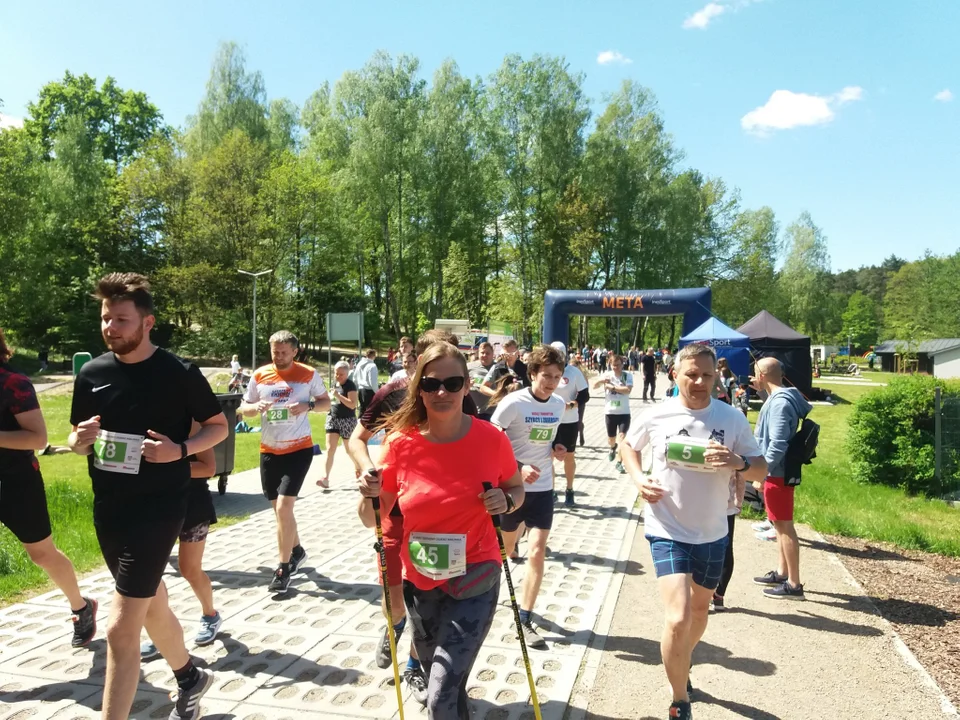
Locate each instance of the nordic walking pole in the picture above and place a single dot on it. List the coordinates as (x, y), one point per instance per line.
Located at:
(516, 611)
(382, 557)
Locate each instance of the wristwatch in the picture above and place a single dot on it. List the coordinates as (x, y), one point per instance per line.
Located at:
(183, 450)
(511, 505)
(746, 464)
(312, 404)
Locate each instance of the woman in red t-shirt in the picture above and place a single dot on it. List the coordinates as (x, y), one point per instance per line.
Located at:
(435, 462)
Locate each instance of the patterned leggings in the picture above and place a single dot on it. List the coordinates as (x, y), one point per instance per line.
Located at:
(448, 634)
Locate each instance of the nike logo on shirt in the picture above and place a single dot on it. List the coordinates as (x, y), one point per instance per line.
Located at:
(102, 387)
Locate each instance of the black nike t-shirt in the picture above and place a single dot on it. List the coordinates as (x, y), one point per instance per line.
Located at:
(162, 393)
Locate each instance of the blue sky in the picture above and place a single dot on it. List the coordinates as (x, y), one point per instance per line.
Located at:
(841, 108)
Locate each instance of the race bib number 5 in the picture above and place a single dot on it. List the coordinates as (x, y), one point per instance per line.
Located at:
(117, 452)
(687, 453)
(541, 435)
(439, 557)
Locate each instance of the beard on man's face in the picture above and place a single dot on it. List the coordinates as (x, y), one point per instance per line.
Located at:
(125, 345)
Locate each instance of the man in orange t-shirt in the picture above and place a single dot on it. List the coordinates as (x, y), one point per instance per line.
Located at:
(283, 393)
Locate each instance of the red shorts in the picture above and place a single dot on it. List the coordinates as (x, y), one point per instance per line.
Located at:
(392, 526)
(778, 499)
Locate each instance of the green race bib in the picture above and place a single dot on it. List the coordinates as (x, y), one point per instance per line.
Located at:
(614, 403)
(278, 415)
(687, 453)
(541, 435)
(117, 452)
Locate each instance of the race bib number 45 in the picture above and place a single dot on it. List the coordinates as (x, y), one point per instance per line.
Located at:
(117, 452)
(439, 557)
(686, 453)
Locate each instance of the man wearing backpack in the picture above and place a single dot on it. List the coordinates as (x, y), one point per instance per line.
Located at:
(776, 428)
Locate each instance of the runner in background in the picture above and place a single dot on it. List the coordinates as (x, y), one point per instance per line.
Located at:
(282, 393)
(342, 418)
(617, 386)
(572, 390)
(404, 347)
(478, 370)
(531, 417)
(133, 408)
(509, 364)
(23, 500)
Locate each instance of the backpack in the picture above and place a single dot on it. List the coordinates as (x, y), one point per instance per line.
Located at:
(801, 450)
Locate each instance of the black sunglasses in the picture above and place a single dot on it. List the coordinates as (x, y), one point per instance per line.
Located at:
(451, 384)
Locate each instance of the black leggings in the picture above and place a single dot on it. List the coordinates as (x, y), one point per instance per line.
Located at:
(727, 572)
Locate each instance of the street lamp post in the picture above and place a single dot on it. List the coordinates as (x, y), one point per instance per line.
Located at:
(253, 350)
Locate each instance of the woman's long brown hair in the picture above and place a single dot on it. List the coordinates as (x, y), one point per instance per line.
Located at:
(413, 413)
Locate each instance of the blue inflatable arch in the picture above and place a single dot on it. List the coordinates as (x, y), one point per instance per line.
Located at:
(559, 305)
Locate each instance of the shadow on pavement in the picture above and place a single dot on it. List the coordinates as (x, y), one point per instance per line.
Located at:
(905, 612)
(810, 621)
(646, 651)
(868, 553)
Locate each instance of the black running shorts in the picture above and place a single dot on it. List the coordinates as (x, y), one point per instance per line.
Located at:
(23, 506)
(617, 423)
(284, 474)
(536, 512)
(567, 436)
(136, 550)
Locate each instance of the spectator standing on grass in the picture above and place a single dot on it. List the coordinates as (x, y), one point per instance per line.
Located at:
(478, 370)
(365, 376)
(23, 500)
(779, 418)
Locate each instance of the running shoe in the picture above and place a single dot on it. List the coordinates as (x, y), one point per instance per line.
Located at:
(85, 624)
(771, 578)
(620, 468)
(297, 557)
(770, 535)
(556, 498)
(531, 637)
(383, 650)
(785, 591)
(281, 580)
(323, 482)
(209, 627)
(568, 499)
(680, 711)
(762, 526)
(148, 651)
(187, 705)
(611, 455)
(717, 603)
(414, 679)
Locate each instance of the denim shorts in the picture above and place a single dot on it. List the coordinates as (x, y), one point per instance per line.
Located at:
(704, 562)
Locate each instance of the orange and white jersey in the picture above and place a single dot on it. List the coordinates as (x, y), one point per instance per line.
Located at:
(283, 432)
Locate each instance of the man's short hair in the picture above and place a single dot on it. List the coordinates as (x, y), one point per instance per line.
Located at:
(370, 353)
(542, 356)
(485, 346)
(405, 340)
(285, 336)
(509, 342)
(118, 287)
(694, 350)
(430, 337)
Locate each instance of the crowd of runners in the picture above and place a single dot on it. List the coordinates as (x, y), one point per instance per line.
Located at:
(147, 422)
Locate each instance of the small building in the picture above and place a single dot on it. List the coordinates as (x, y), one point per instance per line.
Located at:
(821, 353)
(940, 358)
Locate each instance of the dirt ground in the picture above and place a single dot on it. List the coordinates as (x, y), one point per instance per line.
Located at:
(919, 594)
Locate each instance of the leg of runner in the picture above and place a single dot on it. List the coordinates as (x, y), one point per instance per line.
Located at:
(333, 440)
(675, 646)
(287, 537)
(536, 553)
(59, 568)
(191, 567)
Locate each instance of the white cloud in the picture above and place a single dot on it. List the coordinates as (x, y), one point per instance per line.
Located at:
(786, 109)
(944, 95)
(608, 57)
(702, 17)
(8, 121)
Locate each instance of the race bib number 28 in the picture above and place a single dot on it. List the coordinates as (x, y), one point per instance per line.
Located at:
(278, 416)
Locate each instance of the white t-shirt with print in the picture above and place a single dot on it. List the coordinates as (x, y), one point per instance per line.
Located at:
(617, 403)
(571, 384)
(693, 508)
(531, 425)
(398, 375)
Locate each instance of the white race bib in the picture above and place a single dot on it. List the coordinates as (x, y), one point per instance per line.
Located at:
(438, 557)
(117, 452)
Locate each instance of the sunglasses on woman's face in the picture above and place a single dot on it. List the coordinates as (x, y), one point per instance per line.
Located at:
(450, 384)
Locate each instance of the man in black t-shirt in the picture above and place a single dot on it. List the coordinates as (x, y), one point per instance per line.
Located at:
(23, 501)
(510, 364)
(133, 408)
(648, 364)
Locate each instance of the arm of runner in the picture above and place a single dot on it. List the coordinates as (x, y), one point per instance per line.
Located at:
(357, 447)
(205, 463)
(32, 434)
(83, 436)
(318, 391)
(349, 400)
(252, 404)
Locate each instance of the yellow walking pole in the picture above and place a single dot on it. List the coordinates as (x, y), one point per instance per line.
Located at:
(382, 556)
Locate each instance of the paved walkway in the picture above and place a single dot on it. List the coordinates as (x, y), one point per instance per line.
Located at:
(310, 654)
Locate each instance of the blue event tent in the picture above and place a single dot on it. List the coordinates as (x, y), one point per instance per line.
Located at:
(728, 343)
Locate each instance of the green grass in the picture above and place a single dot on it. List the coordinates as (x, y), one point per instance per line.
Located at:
(831, 501)
(70, 503)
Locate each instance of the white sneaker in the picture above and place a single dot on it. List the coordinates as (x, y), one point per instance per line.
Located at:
(770, 534)
(762, 526)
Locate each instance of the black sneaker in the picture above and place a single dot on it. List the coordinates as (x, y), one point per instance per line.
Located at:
(414, 679)
(187, 705)
(785, 591)
(568, 499)
(281, 580)
(297, 558)
(771, 578)
(556, 498)
(680, 711)
(85, 624)
(717, 603)
(383, 650)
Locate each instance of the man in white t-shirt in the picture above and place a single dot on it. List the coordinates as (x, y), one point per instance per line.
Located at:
(531, 417)
(697, 445)
(573, 389)
(617, 385)
(407, 368)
